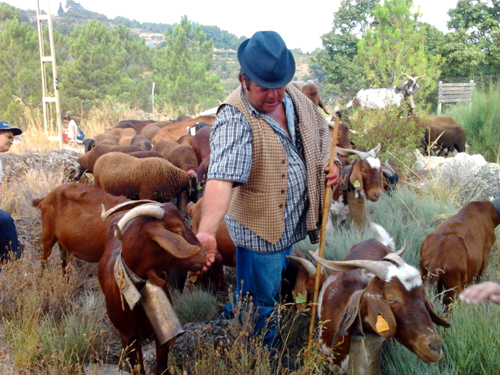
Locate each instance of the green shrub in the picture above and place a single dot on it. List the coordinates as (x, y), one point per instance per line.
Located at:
(481, 121)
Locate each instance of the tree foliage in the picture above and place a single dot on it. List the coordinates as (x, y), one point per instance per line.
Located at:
(104, 62)
(472, 46)
(19, 67)
(396, 46)
(181, 70)
(341, 73)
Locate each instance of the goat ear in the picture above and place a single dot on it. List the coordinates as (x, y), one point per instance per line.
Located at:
(173, 243)
(434, 317)
(356, 177)
(378, 311)
(350, 313)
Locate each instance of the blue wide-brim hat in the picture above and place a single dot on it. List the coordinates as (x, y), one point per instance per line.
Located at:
(265, 59)
(5, 126)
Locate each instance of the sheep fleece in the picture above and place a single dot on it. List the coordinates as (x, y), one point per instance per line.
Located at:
(150, 178)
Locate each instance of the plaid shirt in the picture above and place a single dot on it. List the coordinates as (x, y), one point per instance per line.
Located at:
(231, 160)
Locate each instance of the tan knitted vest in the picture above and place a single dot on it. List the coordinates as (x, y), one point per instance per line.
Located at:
(259, 204)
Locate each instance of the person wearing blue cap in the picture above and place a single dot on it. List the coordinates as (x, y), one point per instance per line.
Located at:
(9, 243)
(270, 148)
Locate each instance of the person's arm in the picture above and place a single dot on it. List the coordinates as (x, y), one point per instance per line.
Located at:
(487, 291)
(216, 198)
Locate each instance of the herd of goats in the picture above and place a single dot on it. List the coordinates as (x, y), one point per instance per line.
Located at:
(147, 174)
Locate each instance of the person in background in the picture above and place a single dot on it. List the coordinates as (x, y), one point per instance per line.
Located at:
(9, 243)
(270, 149)
(71, 132)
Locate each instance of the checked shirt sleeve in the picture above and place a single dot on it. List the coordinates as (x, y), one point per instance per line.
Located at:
(230, 147)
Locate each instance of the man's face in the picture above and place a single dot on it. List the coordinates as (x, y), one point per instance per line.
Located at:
(262, 99)
(6, 140)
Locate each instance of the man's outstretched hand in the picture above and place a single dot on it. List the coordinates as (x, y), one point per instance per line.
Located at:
(210, 246)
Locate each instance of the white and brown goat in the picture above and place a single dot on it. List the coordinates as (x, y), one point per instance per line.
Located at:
(359, 181)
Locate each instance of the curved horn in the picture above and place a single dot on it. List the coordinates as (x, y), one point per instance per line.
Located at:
(309, 267)
(391, 169)
(74, 170)
(153, 210)
(362, 155)
(394, 257)
(403, 248)
(378, 267)
(373, 151)
(118, 207)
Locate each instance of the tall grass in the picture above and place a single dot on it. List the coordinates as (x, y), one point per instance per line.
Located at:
(481, 121)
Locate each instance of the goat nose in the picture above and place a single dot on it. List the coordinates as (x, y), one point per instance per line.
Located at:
(435, 347)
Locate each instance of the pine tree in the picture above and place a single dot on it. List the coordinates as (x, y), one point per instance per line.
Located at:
(60, 11)
(182, 71)
(396, 46)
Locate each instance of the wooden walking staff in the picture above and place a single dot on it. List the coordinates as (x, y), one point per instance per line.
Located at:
(322, 232)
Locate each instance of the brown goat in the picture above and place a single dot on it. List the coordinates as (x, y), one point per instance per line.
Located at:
(71, 216)
(457, 251)
(154, 239)
(174, 131)
(310, 89)
(442, 133)
(374, 285)
(363, 179)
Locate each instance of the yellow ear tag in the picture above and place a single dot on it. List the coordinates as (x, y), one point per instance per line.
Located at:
(193, 279)
(381, 324)
(357, 184)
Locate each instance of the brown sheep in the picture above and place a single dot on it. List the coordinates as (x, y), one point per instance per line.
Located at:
(71, 216)
(150, 178)
(86, 162)
(121, 136)
(182, 156)
(150, 130)
(142, 141)
(457, 251)
(138, 125)
(146, 244)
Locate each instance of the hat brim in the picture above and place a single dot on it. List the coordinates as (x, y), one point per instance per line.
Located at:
(251, 72)
(16, 131)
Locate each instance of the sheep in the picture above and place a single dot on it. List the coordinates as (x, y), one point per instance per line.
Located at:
(150, 178)
(457, 251)
(86, 162)
(142, 141)
(71, 216)
(182, 156)
(143, 245)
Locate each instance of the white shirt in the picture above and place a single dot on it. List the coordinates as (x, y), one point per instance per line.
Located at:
(72, 130)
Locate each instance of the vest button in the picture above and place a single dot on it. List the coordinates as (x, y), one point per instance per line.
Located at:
(282, 191)
(283, 175)
(280, 206)
(283, 162)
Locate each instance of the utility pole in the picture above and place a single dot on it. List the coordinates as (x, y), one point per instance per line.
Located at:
(44, 59)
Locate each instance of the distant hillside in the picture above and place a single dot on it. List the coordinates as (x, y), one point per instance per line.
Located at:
(225, 43)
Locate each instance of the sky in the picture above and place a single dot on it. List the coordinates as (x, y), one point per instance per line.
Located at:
(300, 27)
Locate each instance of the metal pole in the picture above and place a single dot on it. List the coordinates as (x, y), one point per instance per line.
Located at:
(153, 100)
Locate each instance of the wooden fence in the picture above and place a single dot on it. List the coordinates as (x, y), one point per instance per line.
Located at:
(454, 93)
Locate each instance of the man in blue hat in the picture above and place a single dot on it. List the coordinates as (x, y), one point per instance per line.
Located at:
(9, 243)
(270, 149)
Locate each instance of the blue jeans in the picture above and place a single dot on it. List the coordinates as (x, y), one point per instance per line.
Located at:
(261, 276)
(8, 237)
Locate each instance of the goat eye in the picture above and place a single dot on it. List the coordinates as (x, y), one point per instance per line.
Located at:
(391, 300)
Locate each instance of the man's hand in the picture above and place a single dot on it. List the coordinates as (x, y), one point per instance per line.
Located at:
(332, 178)
(482, 292)
(210, 246)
